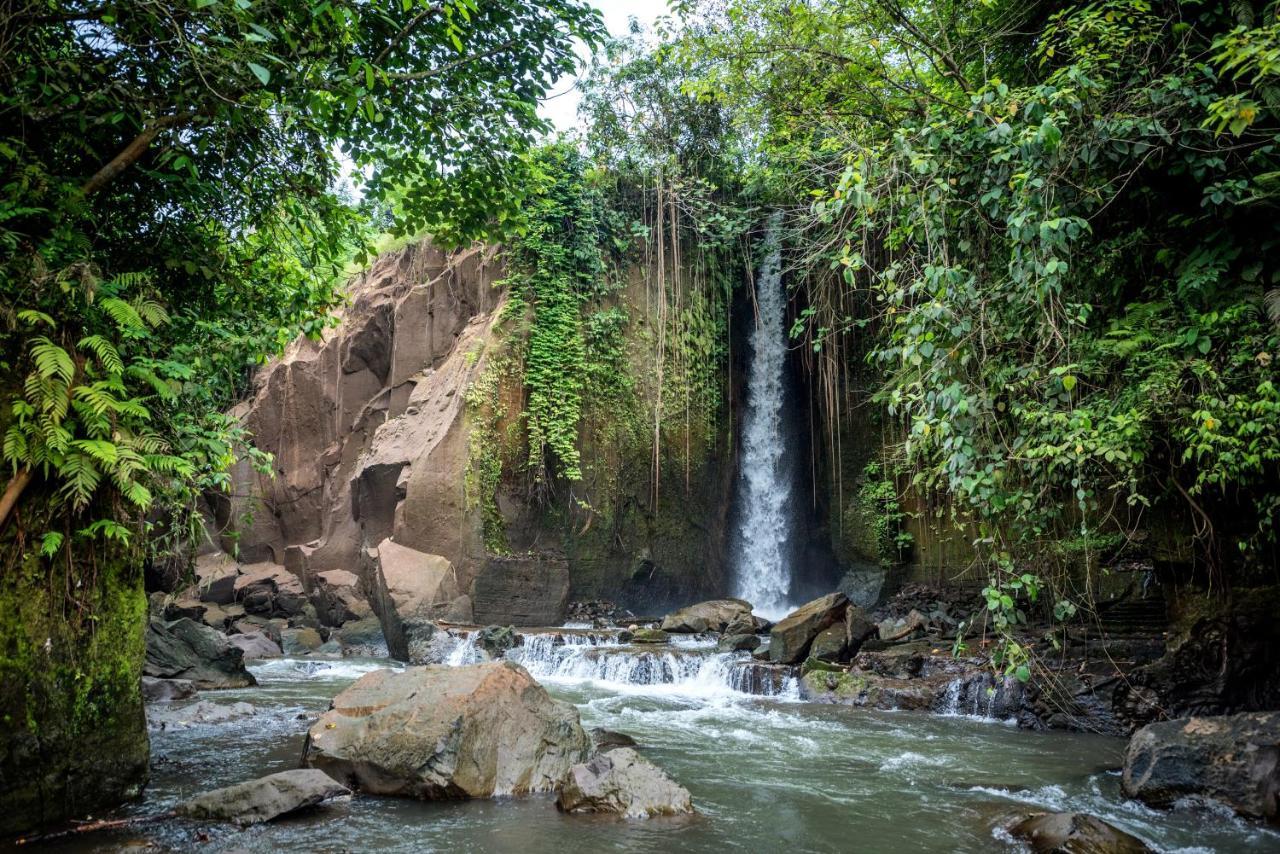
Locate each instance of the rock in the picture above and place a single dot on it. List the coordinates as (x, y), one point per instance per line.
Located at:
(496, 640)
(216, 617)
(362, 639)
(166, 690)
(743, 624)
(895, 630)
(307, 618)
(1074, 833)
(336, 596)
(622, 782)
(186, 607)
(185, 649)
(605, 740)
(714, 615)
(1233, 759)
(264, 799)
(831, 644)
(256, 645)
(792, 636)
(437, 732)
(410, 590)
(253, 625)
(863, 585)
(650, 635)
(300, 641)
(524, 590)
(736, 643)
(269, 590)
(216, 578)
(201, 712)
(858, 628)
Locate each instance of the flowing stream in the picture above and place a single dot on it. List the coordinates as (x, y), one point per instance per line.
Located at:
(763, 574)
(766, 773)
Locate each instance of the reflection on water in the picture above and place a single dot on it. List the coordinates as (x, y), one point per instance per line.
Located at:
(766, 774)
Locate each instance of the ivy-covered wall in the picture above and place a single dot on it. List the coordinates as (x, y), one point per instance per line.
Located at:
(74, 736)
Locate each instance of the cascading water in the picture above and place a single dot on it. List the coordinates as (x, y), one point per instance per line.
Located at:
(763, 574)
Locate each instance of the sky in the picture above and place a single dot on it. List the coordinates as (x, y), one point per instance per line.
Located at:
(561, 107)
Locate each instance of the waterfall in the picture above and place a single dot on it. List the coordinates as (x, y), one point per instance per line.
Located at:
(763, 573)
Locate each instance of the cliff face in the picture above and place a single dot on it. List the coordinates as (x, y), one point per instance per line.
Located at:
(372, 436)
(367, 426)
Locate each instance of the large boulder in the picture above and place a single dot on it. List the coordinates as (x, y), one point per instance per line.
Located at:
(264, 799)
(437, 732)
(185, 649)
(410, 590)
(255, 645)
(216, 575)
(1233, 759)
(1074, 833)
(792, 636)
(714, 615)
(622, 782)
(269, 590)
(336, 596)
(522, 590)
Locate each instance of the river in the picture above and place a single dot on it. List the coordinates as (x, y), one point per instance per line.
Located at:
(766, 774)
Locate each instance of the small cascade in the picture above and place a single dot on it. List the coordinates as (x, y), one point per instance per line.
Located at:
(980, 695)
(465, 651)
(763, 571)
(685, 667)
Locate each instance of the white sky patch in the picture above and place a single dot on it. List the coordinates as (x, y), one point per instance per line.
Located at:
(561, 104)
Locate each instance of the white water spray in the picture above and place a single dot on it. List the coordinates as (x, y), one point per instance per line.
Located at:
(763, 576)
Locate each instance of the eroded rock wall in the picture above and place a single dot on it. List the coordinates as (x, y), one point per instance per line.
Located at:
(367, 425)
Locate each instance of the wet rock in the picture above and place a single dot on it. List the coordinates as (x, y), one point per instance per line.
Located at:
(255, 645)
(269, 590)
(792, 636)
(759, 678)
(201, 712)
(650, 635)
(743, 624)
(735, 643)
(522, 590)
(336, 597)
(605, 740)
(1233, 759)
(831, 644)
(1074, 833)
(300, 641)
(622, 782)
(448, 732)
(264, 799)
(869, 690)
(714, 615)
(495, 640)
(362, 639)
(184, 649)
(410, 589)
(166, 690)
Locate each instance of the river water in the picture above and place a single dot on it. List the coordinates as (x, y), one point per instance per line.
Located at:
(766, 773)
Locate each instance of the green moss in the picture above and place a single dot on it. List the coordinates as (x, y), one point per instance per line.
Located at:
(71, 656)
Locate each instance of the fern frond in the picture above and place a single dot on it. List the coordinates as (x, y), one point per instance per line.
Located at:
(1271, 299)
(82, 478)
(106, 352)
(30, 315)
(126, 317)
(152, 312)
(51, 360)
(50, 544)
(100, 449)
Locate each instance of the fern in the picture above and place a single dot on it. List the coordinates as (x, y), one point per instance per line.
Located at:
(50, 544)
(125, 316)
(51, 360)
(33, 317)
(106, 352)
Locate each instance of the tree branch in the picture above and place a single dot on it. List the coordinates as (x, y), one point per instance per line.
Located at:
(131, 152)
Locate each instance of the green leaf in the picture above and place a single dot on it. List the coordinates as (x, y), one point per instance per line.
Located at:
(1069, 382)
(261, 73)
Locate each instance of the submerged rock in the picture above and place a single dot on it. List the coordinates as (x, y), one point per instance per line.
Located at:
(1233, 759)
(201, 712)
(185, 649)
(714, 615)
(436, 732)
(605, 740)
(264, 799)
(792, 636)
(622, 782)
(362, 639)
(1074, 833)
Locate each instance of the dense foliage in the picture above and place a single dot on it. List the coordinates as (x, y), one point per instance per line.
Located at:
(169, 216)
(1050, 230)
